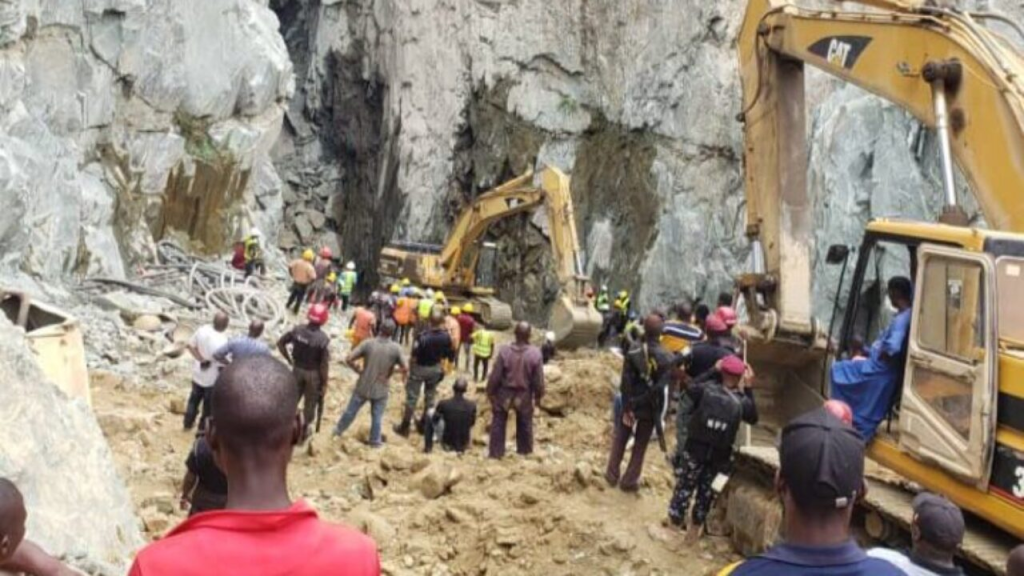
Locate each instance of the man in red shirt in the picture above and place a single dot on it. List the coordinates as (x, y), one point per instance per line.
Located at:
(261, 532)
(467, 325)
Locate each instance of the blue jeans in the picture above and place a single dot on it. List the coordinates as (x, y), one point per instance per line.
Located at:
(355, 404)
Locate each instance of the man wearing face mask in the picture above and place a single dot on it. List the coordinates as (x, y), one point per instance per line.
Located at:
(868, 385)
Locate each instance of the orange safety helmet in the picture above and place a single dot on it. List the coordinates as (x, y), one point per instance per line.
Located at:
(318, 314)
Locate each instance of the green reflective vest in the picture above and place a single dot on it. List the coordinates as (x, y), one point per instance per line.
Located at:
(602, 302)
(483, 343)
(424, 308)
(347, 282)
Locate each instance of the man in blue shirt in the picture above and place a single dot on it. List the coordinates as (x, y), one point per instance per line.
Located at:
(868, 385)
(821, 477)
(243, 346)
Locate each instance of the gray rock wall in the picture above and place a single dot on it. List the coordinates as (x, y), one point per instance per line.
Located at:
(124, 120)
(55, 452)
(636, 98)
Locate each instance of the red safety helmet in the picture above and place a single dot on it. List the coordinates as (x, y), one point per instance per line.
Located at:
(326, 253)
(840, 410)
(318, 314)
(715, 325)
(728, 315)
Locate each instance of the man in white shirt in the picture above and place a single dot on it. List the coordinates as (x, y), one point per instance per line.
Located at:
(204, 344)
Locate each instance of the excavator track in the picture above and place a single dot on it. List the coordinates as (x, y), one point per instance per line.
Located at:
(752, 514)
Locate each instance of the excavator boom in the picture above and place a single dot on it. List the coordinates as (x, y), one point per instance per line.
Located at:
(454, 267)
(950, 73)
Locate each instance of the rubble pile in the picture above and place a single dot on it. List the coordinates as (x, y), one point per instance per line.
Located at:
(440, 513)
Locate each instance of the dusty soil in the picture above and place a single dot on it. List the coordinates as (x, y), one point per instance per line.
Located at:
(550, 513)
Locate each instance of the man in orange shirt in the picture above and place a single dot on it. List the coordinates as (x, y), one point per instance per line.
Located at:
(405, 315)
(362, 324)
(252, 433)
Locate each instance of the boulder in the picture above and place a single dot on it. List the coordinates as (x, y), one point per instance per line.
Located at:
(372, 525)
(436, 480)
(148, 323)
(57, 455)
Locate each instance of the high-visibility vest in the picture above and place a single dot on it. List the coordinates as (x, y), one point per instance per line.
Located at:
(483, 343)
(252, 248)
(405, 310)
(424, 308)
(347, 282)
(602, 302)
(622, 304)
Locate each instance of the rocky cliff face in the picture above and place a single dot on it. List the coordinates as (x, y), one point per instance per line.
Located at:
(436, 100)
(122, 121)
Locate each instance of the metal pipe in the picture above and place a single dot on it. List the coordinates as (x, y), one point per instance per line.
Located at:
(757, 256)
(942, 130)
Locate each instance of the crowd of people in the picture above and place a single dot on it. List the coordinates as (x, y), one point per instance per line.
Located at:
(252, 410)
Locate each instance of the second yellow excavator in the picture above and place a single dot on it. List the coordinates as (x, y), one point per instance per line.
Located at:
(956, 417)
(463, 267)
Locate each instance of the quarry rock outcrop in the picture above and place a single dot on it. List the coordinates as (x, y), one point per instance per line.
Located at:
(53, 449)
(637, 99)
(122, 121)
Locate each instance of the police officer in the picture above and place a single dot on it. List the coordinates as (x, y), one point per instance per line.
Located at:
(309, 357)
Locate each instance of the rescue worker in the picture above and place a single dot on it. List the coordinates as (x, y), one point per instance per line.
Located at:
(431, 346)
(547, 350)
(718, 412)
(309, 357)
(407, 288)
(517, 384)
(254, 253)
(646, 374)
(362, 324)
(405, 316)
(451, 324)
(322, 265)
(389, 304)
(453, 421)
(467, 325)
(347, 284)
(483, 349)
(620, 310)
(303, 275)
(330, 295)
(603, 301)
(425, 306)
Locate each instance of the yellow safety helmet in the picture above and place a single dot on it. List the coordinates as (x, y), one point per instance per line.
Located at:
(406, 282)
(332, 277)
(623, 294)
(308, 255)
(395, 289)
(468, 308)
(438, 296)
(456, 311)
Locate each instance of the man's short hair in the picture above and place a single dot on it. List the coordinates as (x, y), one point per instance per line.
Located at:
(901, 287)
(254, 403)
(724, 299)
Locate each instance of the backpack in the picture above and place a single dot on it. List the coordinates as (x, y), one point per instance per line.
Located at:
(717, 417)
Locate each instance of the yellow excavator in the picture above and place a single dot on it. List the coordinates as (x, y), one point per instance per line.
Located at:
(464, 266)
(956, 424)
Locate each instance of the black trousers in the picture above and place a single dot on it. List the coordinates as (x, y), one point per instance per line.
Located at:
(295, 296)
(479, 361)
(198, 396)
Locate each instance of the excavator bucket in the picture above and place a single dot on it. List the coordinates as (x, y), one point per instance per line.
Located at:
(574, 325)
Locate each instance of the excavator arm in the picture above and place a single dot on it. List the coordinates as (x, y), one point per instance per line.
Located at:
(950, 73)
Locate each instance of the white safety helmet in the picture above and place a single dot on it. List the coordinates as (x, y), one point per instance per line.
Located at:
(430, 294)
(549, 336)
(255, 233)
(604, 287)
(350, 266)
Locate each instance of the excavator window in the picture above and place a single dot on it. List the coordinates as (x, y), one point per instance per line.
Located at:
(951, 324)
(486, 266)
(1009, 287)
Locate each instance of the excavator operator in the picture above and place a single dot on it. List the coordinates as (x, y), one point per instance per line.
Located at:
(868, 385)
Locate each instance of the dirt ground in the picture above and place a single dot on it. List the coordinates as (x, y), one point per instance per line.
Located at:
(438, 514)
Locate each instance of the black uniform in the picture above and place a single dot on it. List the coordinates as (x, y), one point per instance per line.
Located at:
(310, 355)
(456, 417)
